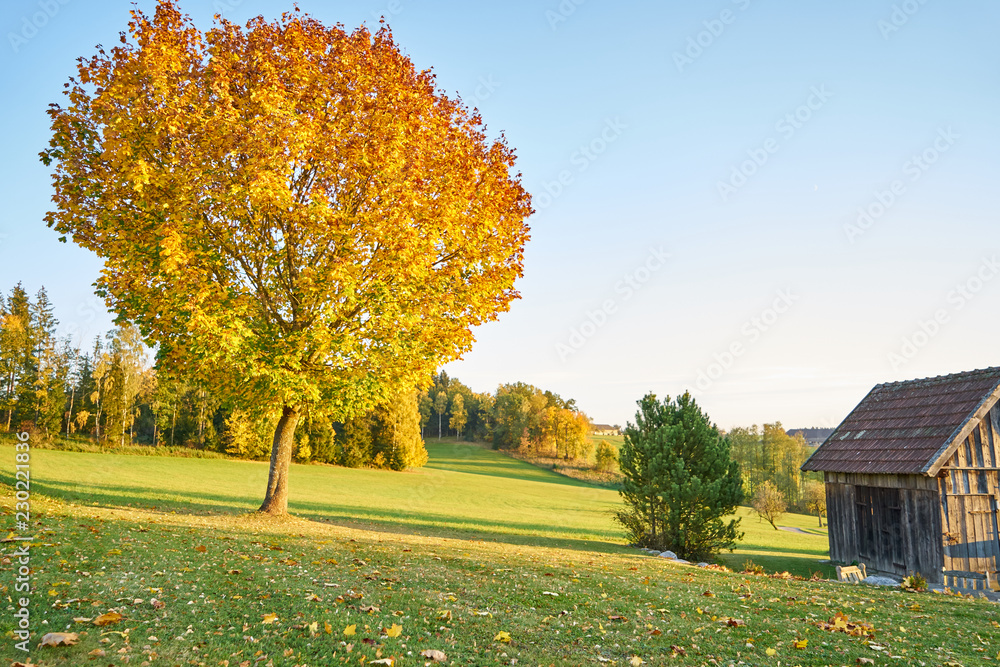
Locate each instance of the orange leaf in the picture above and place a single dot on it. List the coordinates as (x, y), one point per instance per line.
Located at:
(108, 618)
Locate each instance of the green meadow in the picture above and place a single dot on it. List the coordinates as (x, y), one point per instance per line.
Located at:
(484, 558)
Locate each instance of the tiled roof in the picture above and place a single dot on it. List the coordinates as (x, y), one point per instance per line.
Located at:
(903, 427)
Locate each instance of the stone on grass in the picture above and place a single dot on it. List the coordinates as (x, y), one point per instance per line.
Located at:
(880, 581)
(668, 554)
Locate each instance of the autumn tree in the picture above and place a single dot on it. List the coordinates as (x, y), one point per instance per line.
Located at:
(459, 417)
(288, 210)
(396, 440)
(769, 503)
(814, 497)
(606, 457)
(425, 406)
(440, 405)
(124, 361)
(519, 416)
(15, 348)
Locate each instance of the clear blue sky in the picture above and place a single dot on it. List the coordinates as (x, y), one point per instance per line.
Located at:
(776, 302)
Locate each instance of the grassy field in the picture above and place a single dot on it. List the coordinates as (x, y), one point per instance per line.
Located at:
(482, 557)
(615, 440)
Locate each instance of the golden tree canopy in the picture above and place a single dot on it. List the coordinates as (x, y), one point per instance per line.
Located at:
(290, 209)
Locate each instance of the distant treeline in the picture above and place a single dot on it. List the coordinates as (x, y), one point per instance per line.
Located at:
(517, 416)
(769, 454)
(113, 395)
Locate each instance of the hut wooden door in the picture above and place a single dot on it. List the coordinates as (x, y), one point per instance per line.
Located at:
(971, 543)
(879, 518)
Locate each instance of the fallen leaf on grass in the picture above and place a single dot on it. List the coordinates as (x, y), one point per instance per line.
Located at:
(201, 548)
(82, 619)
(555, 595)
(732, 622)
(327, 628)
(393, 631)
(801, 643)
(350, 630)
(108, 618)
(617, 618)
(677, 651)
(312, 597)
(98, 653)
(434, 654)
(371, 609)
(771, 652)
(635, 661)
(269, 618)
(865, 661)
(383, 661)
(445, 615)
(839, 623)
(59, 639)
(502, 636)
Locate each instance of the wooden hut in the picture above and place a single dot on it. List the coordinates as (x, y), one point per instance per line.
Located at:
(911, 480)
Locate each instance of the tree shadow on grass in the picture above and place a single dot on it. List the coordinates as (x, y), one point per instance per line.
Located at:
(396, 521)
(478, 461)
(818, 552)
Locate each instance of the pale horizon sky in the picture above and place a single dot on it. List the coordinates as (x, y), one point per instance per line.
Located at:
(653, 257)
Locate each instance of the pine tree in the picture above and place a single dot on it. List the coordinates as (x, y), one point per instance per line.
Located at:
(679, 480)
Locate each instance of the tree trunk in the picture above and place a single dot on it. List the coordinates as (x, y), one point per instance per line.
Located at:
(276, 498)
(97, 420)
(69, 419)
(439, 425)
(10, 398)
(652, 521)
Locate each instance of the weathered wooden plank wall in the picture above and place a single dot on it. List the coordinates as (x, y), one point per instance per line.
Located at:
(892, 523)
(969, 493)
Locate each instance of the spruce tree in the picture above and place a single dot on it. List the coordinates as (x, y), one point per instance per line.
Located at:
(679, 480)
